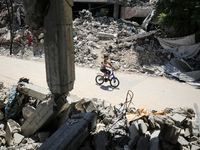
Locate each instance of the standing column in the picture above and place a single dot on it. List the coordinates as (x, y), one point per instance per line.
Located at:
(59, 49)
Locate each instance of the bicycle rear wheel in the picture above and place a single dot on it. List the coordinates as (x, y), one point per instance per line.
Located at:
(99, 80)
(114, 82)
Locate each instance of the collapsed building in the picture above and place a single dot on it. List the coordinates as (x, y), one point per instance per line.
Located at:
(130, 46)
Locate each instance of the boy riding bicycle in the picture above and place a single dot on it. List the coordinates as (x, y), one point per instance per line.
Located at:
(105, 64)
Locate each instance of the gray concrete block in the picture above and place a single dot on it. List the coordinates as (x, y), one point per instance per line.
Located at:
(158, 119)
(134, 130)
(194, 147)
(143, 144)
(178, 119)
(90, 117)
(35, 91)
(182, 141)
(133, 141)
(151, 121)
(106, 104)
(187, 132)
(142, 126)
(11, 128)
(69, 136)
(43, 136)
(155, 144)
(169, 133)
(100, 140)
(42, 115)
(193, 139)
(17, 138)
(89, 106)
(27, 111)
(155, 141)
(168, 146)
(79, 105)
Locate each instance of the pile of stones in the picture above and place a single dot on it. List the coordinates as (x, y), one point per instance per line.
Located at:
(130, 48)
(115, 127)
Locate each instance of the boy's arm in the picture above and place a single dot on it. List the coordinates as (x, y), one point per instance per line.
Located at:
(105, 64)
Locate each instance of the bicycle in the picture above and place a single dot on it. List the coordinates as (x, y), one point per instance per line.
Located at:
(114, 82)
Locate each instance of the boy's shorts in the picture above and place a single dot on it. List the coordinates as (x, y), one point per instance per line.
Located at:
(106, 71)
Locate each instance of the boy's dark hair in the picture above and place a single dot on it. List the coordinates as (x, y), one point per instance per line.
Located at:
(105, 55)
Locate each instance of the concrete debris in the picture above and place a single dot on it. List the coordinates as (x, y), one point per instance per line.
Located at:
(130, 47)
(182, 70)
(96, 124)
(73, 133)
(35, 91)
(28, 111)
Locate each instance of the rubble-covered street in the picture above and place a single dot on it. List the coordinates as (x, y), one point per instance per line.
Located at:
(35, 124)
(32, 117)
(130, 47)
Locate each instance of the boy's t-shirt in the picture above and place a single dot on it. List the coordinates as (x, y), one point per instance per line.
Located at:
(105, 62)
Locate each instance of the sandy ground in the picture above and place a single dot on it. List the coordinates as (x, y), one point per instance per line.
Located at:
(149, 92)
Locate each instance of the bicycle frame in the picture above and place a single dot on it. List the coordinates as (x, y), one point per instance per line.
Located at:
(110, 75)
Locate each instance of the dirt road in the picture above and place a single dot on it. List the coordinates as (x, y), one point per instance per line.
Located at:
(149, 92)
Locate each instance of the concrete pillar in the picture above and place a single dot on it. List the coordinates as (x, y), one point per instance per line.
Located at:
(59, 50)
(116, 10)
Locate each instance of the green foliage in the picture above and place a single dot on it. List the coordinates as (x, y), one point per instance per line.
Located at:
(183, 16)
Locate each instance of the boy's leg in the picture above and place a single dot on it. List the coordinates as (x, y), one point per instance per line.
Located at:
(104, 71)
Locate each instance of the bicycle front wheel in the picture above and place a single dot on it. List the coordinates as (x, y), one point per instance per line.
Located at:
(99, 80)
(114, 82)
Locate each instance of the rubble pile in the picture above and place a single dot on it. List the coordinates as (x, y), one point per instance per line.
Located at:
(139, 2)
(130, 47)
(20, 48)
(38, 121)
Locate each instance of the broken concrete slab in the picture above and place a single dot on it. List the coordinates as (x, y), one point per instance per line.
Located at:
(155, 141)
(178, 119)
(134, 134)
(11, 128)
(151, 121)
(27, 111)
(73, 133)
(42, 115)
(134, 130)
(91, 117)
(133, 141)
(169, 133)
(143, 144)
(43, 136)
(194, 147)
(106, 35)
(89, 106)
(142, 126)
(137, 11)
(35, 91)
(101, 140)
(182, 141)
(17, 138)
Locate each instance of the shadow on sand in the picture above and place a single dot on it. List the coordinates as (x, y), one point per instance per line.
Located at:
(108, 88)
